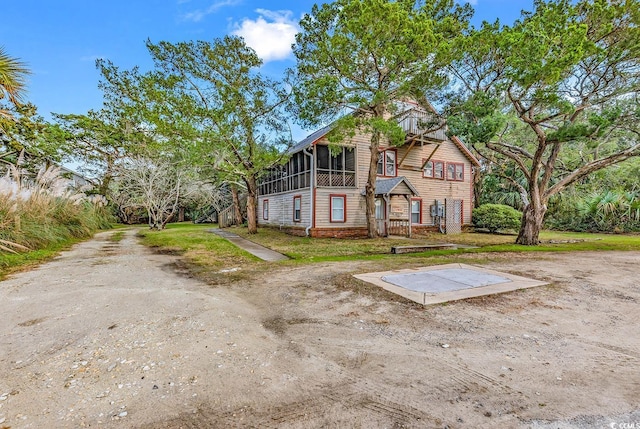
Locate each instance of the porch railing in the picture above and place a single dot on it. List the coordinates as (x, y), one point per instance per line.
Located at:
(399, 227)
(343, 179)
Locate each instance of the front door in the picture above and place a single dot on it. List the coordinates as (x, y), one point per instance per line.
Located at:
(381, 217)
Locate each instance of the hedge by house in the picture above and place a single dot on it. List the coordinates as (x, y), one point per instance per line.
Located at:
(496, 217)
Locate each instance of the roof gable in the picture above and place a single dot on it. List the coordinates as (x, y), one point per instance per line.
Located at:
(311, 139)
(322, 132)
(466, 152)
(395, 186)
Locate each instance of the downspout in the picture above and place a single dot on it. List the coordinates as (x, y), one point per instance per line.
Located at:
(312, 179)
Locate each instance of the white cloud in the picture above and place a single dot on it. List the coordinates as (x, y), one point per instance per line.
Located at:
(270, 35)
(198, 14)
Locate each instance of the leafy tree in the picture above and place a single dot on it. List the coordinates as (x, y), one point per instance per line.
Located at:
(362, 56)
(26, 131)
(13, 75)
(553, 97)
(100, 139)
(207, 102)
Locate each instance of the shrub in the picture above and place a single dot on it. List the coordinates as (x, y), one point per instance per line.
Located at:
(496, 216)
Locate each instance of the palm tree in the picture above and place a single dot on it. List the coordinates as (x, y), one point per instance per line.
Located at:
(13, 79)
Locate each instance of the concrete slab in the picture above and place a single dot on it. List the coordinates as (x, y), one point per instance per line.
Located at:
(255, 249)
(450, 282)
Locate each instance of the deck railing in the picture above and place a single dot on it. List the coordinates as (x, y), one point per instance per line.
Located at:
(416, 122)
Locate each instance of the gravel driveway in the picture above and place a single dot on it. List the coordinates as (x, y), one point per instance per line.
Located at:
(110, 334)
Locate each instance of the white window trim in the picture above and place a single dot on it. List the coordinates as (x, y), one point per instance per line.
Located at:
(331, 208)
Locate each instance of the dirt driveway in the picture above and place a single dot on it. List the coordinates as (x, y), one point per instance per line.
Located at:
(110, 335)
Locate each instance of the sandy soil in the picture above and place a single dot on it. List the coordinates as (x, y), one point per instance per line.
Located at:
(112, 335)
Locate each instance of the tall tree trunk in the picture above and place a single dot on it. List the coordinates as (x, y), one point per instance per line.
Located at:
(532, 219)
(237, 214)
(151, 218)
(174, 208)
(477, 186)
(252, 212)
(103, 189)
(370, 189)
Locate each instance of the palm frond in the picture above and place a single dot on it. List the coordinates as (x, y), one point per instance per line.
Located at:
(13, 77)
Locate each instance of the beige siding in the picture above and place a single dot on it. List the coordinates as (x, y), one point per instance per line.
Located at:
(399, 208)
(429, 190)
(281, 209)
(364, 158)
(355, 208)
(436, 189)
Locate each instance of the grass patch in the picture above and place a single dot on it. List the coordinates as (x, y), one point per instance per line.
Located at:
(15, 262)
(330, 249)
(334, 249)
(210, 249)
(217, 261)
(116, 237)
(211, 257)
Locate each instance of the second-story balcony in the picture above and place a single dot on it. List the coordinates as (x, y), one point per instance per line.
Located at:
(422, 126)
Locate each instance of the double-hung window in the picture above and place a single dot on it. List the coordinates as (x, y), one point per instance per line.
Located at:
(297, 208)
(416, 211)
(338, 208)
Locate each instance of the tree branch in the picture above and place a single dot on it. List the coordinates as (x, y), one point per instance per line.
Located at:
(592, 166)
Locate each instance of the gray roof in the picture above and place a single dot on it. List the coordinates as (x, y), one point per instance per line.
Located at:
(310, 139)
(386, 186)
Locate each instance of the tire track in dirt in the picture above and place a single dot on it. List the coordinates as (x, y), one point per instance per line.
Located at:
(445, 377)
(340, 400)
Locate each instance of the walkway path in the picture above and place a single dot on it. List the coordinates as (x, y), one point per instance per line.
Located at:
(251, 247)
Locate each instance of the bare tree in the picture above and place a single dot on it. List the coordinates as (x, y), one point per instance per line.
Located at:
(158, 186)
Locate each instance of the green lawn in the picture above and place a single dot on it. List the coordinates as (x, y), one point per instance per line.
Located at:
(324, 249)
(205, 248)
(217, 261)
(211, 256)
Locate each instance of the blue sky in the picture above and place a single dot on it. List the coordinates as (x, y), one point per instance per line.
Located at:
(60, 40)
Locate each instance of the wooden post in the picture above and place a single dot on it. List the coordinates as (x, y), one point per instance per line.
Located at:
(387, 214)
(408, 197)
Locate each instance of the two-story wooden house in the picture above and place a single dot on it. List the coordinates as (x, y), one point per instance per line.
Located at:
(425, 184)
